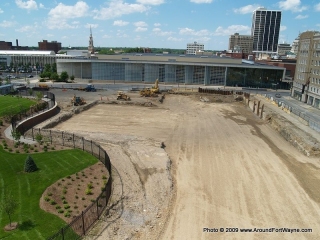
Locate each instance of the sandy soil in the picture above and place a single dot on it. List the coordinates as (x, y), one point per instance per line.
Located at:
(229, 169)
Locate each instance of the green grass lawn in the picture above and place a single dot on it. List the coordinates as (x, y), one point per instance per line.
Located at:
(27, 189)
(14, 104)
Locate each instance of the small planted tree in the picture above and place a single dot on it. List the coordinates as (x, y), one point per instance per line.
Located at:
(9, 205)
(30, 165)
(16, 135)
(39, 138)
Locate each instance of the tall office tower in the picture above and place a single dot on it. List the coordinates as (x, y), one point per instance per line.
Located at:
(265, 30)
(90, 47)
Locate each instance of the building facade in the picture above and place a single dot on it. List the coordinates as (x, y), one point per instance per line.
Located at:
(194, 47)
(241, 43)
(265, 30)
(49, 46)
(173, 69)
(295, 45)
(306, 85)
(283, 49)
(91, 47)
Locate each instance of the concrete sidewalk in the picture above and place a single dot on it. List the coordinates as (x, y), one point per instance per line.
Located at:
(8, 135)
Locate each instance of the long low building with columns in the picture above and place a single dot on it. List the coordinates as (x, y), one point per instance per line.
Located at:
(169, 68)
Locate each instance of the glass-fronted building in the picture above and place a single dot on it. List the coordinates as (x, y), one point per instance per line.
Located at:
(168, 68)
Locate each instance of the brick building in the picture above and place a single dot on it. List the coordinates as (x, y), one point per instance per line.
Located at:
(49, 46)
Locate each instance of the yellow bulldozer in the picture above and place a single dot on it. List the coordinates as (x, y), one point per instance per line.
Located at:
(77, 101)
(122, 96)
(151, 92)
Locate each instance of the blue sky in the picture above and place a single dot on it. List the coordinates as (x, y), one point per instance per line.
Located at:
(146, 23)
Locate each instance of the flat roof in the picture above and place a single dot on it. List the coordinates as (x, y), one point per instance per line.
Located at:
(26, 52)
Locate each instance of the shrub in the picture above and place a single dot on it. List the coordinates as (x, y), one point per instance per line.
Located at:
(10, 149)
(1, 122)
(64, 191)
(30, 165)
(88, 191)
(47, 199)
(60, 211)
(49, 194)
(66, 206)
(89, 186)
(64, 202)
(83, 198)
(58, 207)
(17, 151)
(67, 214)
(76, 197)
(53, 202)
(63, 197)
(104, 177)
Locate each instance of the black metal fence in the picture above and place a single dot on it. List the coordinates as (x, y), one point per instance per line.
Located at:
(223, 92)
(82, 223)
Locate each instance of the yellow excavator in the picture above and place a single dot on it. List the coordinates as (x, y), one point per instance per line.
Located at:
(77, 101)
(123, 96)
(151, 92)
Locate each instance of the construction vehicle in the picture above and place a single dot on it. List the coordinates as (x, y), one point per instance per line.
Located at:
(123, 96)
(90, 88)
(151, 92)
(77, 101)
(41, 87)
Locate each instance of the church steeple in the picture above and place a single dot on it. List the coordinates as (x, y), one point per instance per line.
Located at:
(91, 48)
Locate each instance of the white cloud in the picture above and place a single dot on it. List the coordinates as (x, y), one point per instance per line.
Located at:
(159, 32)
(246, 9)
(30, 4)
(157, 24)
(201, 1)
(174, 39)
(283, 28)
(141, 29)
(1, 11)
(118, 8)
(151, 2)
(292, 5)
(41, 5)
(106, 36)
(88, 25)
(59, 15)
(7, 24)
(301, 16)
(188, 31)
(25, 29)
(120, 23)
(317, 7)
(50, 35)
(140, 24)
(220, 31)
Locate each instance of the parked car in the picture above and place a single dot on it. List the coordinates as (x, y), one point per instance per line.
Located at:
(30, 76)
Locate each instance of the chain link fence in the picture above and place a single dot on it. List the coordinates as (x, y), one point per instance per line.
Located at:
(313, 123)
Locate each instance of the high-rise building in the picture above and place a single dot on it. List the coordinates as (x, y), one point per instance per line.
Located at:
(240, 43)
(49, 46)
(90, 47)
(192, 48)
(265, 30)
(306, 84)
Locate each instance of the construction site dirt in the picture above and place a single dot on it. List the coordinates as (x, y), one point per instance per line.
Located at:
(184, 165)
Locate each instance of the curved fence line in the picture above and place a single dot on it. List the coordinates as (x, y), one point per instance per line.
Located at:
(82, 223)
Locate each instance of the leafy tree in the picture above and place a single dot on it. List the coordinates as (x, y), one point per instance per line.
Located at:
(54, 76)
(64, 76)
(1, 81)
(39, 138)
(71, 77)
(29, 165)
(39, 96)
(16, 135)
(54, 68)
(47, 68)
(9, 205)
(30, 91)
